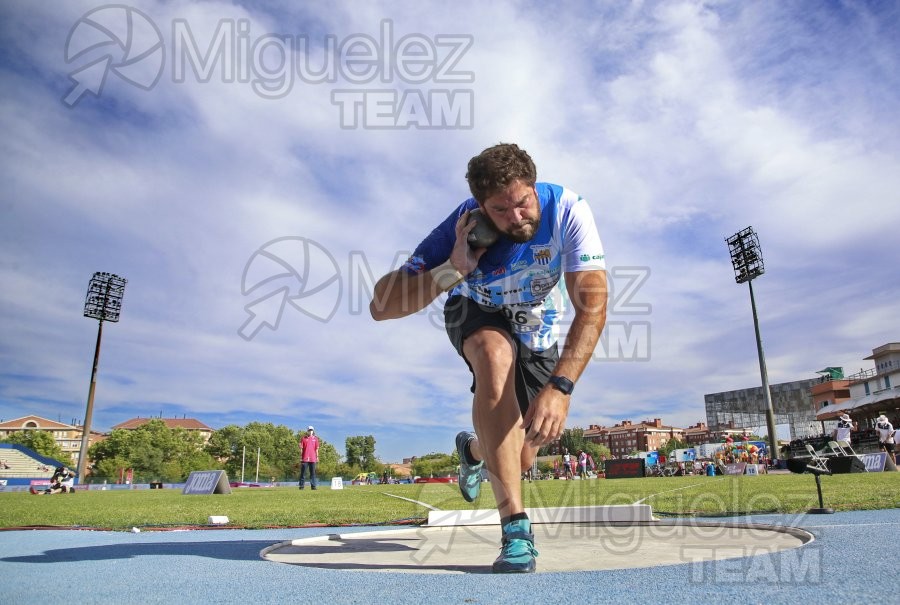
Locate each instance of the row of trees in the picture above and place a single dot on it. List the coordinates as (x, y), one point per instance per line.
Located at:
(257, 450)
(156, 452)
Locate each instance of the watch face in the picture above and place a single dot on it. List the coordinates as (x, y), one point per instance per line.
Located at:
(563, 384)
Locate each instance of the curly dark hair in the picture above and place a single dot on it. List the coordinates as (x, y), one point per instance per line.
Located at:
(492, 170)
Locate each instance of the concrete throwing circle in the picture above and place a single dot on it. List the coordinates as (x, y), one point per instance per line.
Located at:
(563, 547)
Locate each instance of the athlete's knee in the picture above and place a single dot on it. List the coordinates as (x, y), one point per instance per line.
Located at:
(489, 350)
(489, 345)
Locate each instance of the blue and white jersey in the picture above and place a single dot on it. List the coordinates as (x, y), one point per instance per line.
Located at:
(843, 430)
(524, 280)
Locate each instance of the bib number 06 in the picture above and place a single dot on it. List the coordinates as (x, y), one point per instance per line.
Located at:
(518, 317)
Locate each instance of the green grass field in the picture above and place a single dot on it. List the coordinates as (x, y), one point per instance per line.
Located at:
(371, 504)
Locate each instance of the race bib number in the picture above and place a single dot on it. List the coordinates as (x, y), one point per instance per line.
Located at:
(523, 319)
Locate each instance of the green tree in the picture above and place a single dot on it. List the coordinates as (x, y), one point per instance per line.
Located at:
(361, 452)
(226, 446)
(277, 447)
(671, 445)
(329, 461)
(153, 450)
(108, 468)
(573, 439)
(240, 449)
(434, 464)
(41, 442)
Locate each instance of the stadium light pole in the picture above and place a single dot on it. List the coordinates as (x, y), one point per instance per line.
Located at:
(103, 303)
(746, 258)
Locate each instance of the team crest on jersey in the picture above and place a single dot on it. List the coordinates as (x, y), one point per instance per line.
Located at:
(541, 254)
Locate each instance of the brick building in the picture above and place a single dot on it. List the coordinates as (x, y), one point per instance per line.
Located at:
(627, 437)
(188, 424)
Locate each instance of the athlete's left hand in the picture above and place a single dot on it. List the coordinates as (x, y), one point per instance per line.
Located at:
(546, 417)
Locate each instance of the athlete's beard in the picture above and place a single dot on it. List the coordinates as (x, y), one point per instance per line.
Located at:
(524, 231)
(521, 233)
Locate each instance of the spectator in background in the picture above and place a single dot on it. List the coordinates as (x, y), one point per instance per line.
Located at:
(62, 482)
(309, 457)
(567, 464)
(841, 433)
(885, 434)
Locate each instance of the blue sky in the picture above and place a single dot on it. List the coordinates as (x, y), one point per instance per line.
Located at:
(241, 192)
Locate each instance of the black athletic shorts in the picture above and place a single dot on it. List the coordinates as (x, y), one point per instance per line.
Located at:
(463, 316)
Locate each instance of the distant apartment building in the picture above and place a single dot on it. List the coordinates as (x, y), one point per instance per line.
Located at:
(872, 391)
(627, 437)
(67, 436)
(698, 434)
(189, 424)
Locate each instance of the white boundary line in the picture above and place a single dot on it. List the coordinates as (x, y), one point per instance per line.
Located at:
(428, 506)
(677, 489)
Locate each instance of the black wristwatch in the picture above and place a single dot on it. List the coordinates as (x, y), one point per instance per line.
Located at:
(562, 384)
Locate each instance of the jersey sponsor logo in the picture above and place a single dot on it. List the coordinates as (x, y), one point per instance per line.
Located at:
(511, 292)
(519, 265)
(541, 286)
(541, 254)
(498, 272)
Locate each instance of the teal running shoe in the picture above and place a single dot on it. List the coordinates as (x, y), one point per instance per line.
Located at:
(517, 552)
(469, 474)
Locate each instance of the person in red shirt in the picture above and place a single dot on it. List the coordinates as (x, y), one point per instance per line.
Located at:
(309, 457)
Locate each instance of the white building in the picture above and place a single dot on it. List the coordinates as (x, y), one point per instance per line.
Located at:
(874, 391)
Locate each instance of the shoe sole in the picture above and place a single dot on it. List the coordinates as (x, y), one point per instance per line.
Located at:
(529, 568)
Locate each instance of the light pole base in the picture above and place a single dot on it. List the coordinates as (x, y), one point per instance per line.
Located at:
(820, 511)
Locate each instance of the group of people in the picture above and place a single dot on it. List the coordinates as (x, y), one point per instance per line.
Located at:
(887, 434)
(62, 482)
(580, 463)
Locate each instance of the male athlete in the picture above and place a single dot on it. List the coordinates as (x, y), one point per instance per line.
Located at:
(502, 316)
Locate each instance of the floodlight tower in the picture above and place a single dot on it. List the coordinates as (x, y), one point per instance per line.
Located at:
(103, 303)
(746, 258)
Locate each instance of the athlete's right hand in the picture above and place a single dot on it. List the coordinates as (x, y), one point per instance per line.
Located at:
(464, 258)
